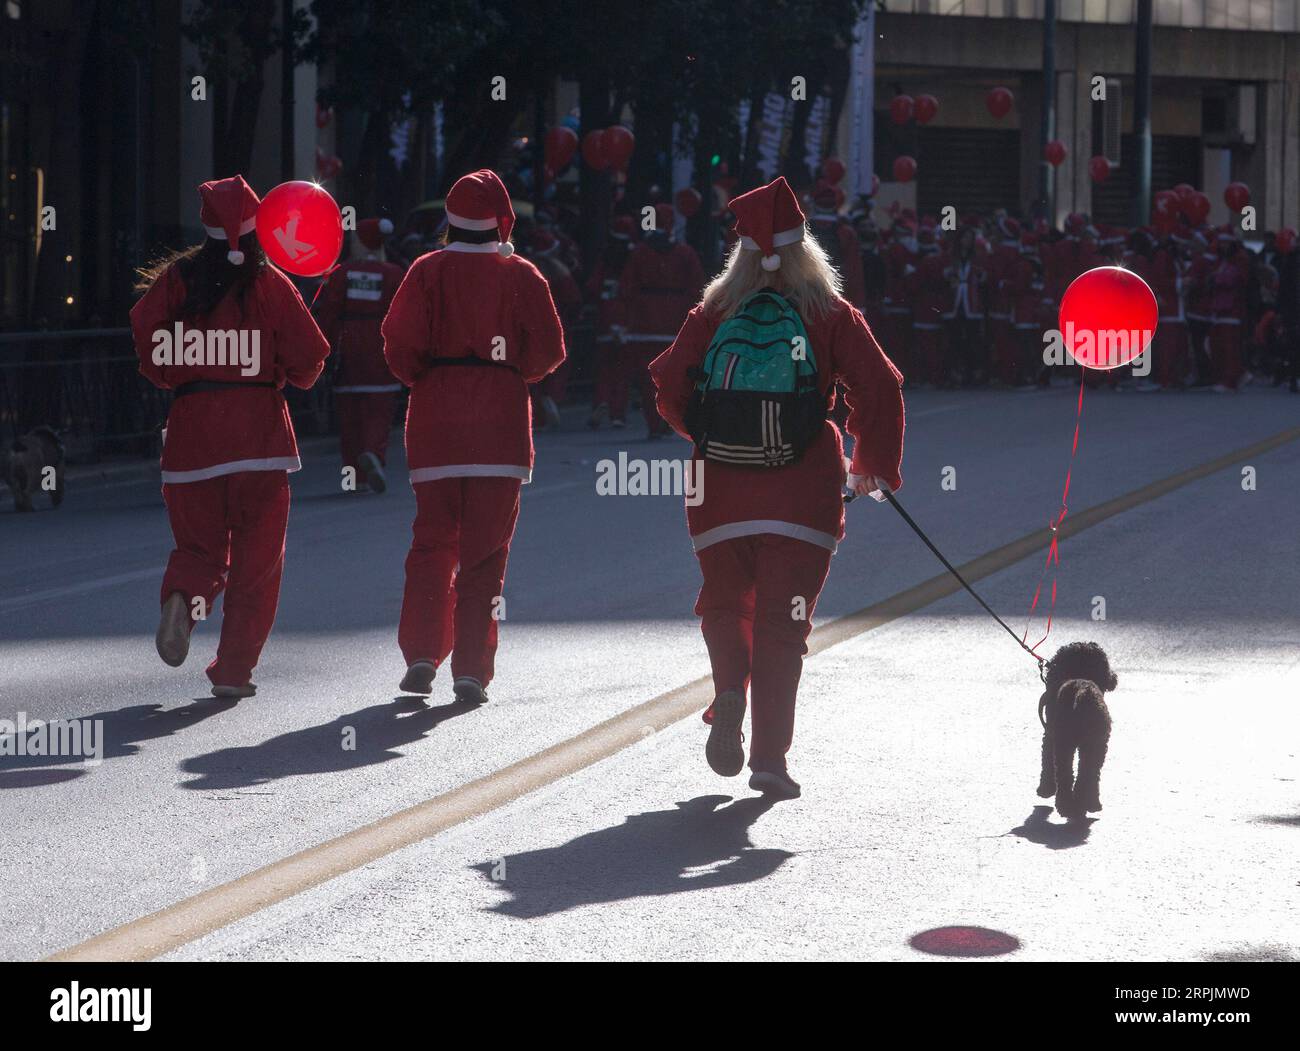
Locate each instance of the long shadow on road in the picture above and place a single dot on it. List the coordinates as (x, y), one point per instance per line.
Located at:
(1055, 835)
(698, 845)
(371, 735)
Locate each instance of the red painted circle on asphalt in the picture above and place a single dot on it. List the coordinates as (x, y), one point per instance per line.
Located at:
(965, 941)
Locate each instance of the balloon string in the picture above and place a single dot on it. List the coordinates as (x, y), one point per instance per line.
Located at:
(1054, 527)
(324, 280)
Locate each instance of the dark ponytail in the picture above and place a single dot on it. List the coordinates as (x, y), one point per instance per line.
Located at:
(207, 274)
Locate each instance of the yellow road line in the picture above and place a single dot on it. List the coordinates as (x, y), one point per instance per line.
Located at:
(192, 918)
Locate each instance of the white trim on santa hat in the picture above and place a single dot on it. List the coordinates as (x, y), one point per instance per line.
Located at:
(471, 224)
(246, 226)
(784, 237)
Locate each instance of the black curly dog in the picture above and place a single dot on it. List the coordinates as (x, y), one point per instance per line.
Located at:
(1075, 719)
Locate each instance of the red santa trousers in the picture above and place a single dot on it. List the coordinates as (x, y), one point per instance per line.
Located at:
(365, 420)
(455, 571)
(1169, 353)
(1225, 353)
(611, 378)
(747, 615)
(229, 534)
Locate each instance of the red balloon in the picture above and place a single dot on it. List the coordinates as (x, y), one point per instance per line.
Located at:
(1166, 204)
(1236, 195)
(561, 145)
(833, 170)
(688, 201)
(1054, 153)
(619, 143)
(1099, 169)
(1197, 209)
(999, 102)
(593, 150)
(1285, 240)
(300, 228)
(927, 106)
(1184, 192)
(904, 168)
(900, 109)
(1108, 317)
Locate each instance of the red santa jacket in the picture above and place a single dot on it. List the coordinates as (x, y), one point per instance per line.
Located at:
(658, 289)
(1026, 291)
(928, 289)
(602, 289)
(351, 309)
(1067, 259)
(803, 500)
(217, 432)
(999, 264)
(901, 258)
(469, 301)
(1196, 300)
(1167, 282)
(1227, 281)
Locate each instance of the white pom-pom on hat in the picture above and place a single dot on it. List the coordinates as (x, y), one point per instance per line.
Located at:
(506, 248)
(385, 226)
(771, 262)
(235, 256)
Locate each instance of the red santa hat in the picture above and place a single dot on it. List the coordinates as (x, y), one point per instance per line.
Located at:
(622, 227)
(229, 211)
(665, 216)
(371, 232)
(1009, 228)
(767, 218)
(479, 201)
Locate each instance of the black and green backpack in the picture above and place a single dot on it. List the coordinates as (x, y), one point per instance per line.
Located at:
(757, 399)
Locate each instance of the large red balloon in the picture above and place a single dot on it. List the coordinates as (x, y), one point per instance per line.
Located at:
(619, 143)
(593, 150)
(1108, 317)
(688, 200)
(1197, 208)
(1099, 169)
(904, 169)
(1236, 195)
(999, 101)
(1054, 153)
(300, 228)
(900, 109)
(833, 170)
(561, 145)
(927, 106)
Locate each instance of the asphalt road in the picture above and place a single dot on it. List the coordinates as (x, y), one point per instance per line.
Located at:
(916, 744)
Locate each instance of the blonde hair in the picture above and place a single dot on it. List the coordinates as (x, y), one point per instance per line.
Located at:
(805, 277)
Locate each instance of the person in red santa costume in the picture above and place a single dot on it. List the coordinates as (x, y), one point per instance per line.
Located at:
(609, 401)
(901, 258)
(764, 536)
(660, 283)
(1000, 263)
(1227, 281)
(929, 292)
(471, 326)
(224, 331)
(544, 251)
(352, 307)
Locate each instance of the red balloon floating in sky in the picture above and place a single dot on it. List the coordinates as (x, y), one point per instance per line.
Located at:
(927, 107)
(904, 169)
(593, 150)
(1108, 317)
(1197, 208)
(999, 101)
(1285, 240)
(1099, 169)
(688, 200)
(1054, 153)
(900, 108)
(300, 228)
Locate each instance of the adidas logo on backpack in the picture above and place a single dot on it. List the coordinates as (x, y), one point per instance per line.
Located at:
(757, 399)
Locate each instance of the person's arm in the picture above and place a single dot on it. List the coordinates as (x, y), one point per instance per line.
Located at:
(543, 349)
(156, 310)
(672, 370)
(329, 309)
(873, 393)
(408, 326)
(300, 347)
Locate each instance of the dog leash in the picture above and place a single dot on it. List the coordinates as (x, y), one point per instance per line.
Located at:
(893, 500)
